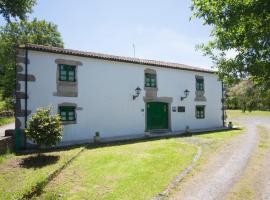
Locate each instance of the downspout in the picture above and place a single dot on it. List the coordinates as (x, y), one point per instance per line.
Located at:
(223, 108)
(25, 88)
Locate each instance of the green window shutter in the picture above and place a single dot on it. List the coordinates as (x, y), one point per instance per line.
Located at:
(67, 113)
(150, 80)
(199, 84)
(67, 73)
(200, 112)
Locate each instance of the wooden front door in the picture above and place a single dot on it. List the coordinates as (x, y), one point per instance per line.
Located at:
(157, 115)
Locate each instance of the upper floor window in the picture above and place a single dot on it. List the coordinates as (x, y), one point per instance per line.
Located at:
(200, 112)
(199, 84)
(67, 113)
(67, 73)
(150, 80)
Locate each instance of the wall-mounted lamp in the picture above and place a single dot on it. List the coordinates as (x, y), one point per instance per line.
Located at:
(137, 92)
(186, 92)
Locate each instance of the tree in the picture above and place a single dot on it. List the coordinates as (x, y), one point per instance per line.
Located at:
(247, 95)
(44, 129)
(16, 8)
(242, 26)
(23, 32)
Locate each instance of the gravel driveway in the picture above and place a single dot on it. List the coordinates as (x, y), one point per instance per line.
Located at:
(223, 170)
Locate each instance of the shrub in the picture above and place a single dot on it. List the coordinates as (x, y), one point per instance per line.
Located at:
(45, 129)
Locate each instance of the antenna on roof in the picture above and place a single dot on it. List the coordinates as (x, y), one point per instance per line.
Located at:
(134, 50)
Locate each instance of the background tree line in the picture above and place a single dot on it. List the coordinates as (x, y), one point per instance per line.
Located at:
(247, 96)
(18, 30)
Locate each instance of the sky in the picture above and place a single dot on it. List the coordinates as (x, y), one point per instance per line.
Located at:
(160, 30)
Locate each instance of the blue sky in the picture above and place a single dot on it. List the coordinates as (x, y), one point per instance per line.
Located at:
(160, 30)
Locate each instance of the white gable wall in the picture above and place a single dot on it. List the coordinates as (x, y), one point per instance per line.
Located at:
(105, 90)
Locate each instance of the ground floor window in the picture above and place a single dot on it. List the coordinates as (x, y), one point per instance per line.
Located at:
(67, 113)
(200, 112)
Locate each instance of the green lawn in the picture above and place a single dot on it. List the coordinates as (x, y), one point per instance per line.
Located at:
(6, 156)
(6, 120)
(238, 113)
(133, 171)
(18, 174)
(138, 170)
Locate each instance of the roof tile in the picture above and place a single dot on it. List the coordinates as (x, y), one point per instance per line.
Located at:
(114, 58)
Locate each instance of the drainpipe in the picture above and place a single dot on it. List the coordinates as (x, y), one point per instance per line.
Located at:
(25, 88)
(26, 94)
(223, 100)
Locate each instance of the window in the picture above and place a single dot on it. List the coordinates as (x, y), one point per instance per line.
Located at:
(67, 113)
(67, 73)
(199, 84)
(150, 80)
(200, 113)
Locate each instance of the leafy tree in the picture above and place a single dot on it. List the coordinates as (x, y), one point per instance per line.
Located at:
(247, 95)
(23, 32)
(242, 26)
(44, 129)
(16, 8)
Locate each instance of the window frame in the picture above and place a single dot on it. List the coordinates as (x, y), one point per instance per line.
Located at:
(68, 69)
(151, 77)
(200, 115)
(67, 110)
(199, 84)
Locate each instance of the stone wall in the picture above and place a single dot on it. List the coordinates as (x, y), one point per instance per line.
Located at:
(6, 144)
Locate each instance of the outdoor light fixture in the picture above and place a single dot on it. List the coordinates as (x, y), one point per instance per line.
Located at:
(137, 91)
(186, 92)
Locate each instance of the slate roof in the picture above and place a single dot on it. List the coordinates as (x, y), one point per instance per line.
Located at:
(114, 58)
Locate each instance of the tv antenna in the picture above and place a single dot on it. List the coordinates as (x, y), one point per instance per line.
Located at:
(134, 50)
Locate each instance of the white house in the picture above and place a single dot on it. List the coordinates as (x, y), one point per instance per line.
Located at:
(113, 95)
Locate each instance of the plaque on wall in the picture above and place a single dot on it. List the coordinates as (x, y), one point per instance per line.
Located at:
(174, 109)
(181, 109)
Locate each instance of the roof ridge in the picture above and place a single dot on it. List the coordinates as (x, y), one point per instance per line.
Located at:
(134, 60)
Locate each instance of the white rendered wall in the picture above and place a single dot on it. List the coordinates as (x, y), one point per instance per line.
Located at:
(105, 90)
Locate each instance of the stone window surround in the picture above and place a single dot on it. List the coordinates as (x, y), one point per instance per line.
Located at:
(199, 95)
(150, 92)
(71, 87)
(69, 104)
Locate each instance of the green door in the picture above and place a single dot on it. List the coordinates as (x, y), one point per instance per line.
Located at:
(157, 115)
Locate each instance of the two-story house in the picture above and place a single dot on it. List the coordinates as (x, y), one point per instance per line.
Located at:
(113, 95)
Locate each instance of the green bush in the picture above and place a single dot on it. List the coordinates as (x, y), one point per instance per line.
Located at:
(45, 129)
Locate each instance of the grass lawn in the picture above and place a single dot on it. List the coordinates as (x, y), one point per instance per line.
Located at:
(132, 171)
(238, 113)
(6, 120)
(138, 170)
(6, 156)
(18, 174)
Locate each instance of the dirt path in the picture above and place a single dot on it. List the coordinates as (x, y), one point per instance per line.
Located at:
(255, 180)
(223, 170)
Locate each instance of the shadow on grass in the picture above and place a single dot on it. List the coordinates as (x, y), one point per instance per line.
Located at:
(147, 139)
(39, 161)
